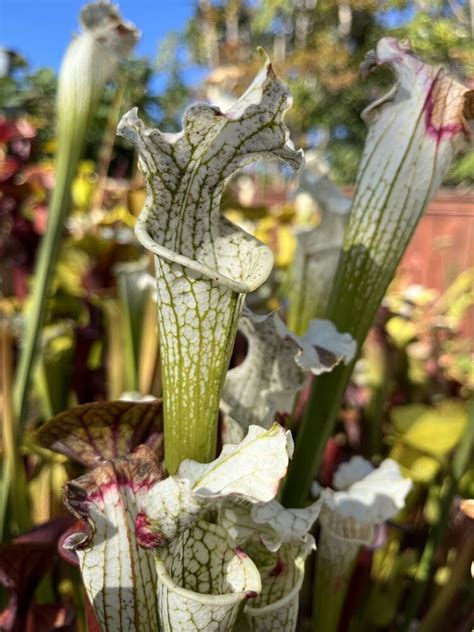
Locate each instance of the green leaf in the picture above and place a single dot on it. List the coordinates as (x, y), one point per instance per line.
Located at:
(435, 431)
(54, 371)
(466, 484)
(417, 466)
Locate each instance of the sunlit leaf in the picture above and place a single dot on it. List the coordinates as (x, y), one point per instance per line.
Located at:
(420, 467)
(434, 430)
(401, 330)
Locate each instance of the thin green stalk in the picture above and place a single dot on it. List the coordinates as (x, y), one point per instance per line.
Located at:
(335, 563)
(13, 471)
(132, 299)
(375, 414)
(53, 374)
(424, 570)
(69, 152)
(313, 434)
(115, 348)
(130, 349)
(149, 379)
(4, 489)
(107, 146)
(381, 389)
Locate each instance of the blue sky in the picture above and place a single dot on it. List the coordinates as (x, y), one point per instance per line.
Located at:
(41, 29)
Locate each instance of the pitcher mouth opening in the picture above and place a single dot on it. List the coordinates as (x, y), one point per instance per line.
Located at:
(228, 598)
(284, 601)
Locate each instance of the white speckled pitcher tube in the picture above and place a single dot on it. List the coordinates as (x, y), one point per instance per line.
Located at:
(198, 314)
(204, 264)
(197, 322)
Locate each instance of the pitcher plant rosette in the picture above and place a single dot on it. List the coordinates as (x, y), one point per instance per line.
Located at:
(173, 538)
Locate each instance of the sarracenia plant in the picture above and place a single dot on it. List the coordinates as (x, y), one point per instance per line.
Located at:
(415, 130)
(209, 546)
(91, 60)
(205, 265)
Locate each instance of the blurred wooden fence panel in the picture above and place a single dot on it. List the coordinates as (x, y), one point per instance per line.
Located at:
(443, 243)
(443, 246)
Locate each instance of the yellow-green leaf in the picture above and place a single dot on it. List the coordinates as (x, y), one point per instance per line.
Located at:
(419, 467)
(400, 330)
(433, 430)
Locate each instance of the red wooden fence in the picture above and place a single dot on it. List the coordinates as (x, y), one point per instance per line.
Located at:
(443, 243)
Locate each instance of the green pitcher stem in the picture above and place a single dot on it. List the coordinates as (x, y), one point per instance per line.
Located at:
(197, 326)
(299, 311)
(334, 566)
(67, 160)
(90, 61)
(204, 263)
(313, 434)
